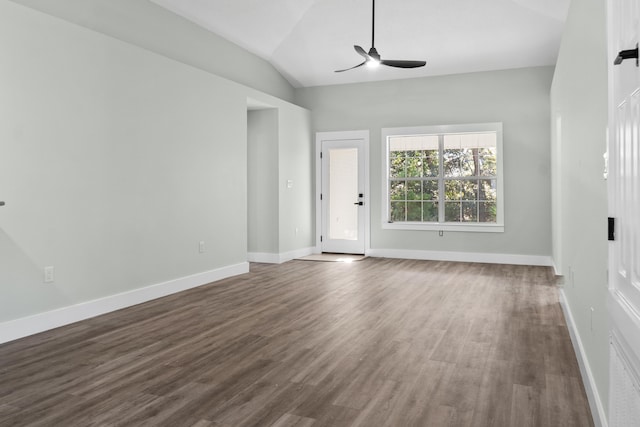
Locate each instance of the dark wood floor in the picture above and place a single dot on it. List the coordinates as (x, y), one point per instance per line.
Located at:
(378, 342)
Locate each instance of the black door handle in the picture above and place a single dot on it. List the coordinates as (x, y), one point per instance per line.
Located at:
(359, 203)
(1, 203)
(627, 54)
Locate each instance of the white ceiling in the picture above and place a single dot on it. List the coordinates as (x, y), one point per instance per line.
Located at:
(306, 40)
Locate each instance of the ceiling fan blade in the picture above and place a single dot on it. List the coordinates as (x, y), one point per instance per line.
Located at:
(362, 52)
(355, 66)
(403, 64)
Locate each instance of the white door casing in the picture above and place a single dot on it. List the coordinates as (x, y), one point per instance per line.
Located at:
(342, 211)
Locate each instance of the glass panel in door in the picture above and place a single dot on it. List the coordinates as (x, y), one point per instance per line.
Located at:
(343, 214)
(343, 192)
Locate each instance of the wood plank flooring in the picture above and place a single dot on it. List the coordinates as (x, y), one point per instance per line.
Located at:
(379, 342)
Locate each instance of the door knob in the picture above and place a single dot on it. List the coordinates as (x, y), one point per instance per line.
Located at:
(627, 54)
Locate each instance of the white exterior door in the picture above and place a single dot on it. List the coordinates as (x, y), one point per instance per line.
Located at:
(624, 206)
(343, 195)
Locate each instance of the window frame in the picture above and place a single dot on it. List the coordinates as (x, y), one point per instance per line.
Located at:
(442, 130)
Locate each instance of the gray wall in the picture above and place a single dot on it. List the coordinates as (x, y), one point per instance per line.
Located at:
(147, 25)
(579, 98)
(295, 157)
(280, 150)
(262, 148)
(518, 98)
(116, 162)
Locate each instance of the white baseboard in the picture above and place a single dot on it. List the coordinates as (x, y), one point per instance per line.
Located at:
(271, 258)
(265, 257)
(20, 328)
(462, 257)
(595, 402)
(556, 270)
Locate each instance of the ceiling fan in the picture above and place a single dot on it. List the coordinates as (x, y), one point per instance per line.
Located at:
(372, 58)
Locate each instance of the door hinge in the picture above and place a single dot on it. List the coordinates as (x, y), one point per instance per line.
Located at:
(321, 238)
(611, 228)
(321, 154)
(320, 196)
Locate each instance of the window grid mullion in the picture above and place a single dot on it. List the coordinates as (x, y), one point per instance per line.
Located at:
(441, 178)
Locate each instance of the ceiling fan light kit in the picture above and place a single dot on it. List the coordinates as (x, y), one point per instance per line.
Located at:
(373, 64)
(372, 58)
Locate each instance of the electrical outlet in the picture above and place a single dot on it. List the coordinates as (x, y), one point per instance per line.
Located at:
(49, 276)
(201, 247)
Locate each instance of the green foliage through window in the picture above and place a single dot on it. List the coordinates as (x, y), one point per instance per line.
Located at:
(449, 178)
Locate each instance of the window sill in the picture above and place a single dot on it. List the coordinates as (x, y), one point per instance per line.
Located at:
(474, 228)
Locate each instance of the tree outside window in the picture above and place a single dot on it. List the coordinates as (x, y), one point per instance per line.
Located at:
(443, 178)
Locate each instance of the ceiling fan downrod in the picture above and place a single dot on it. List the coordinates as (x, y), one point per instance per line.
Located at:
(373, 24)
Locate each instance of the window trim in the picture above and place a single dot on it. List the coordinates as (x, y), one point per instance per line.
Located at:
(497, 227)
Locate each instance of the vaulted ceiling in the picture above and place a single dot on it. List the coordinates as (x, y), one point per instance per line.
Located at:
(306, 40)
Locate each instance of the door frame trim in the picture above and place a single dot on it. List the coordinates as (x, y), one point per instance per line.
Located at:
(334, 136)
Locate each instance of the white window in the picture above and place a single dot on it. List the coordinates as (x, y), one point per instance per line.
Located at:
(443, 178)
